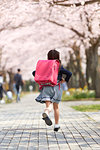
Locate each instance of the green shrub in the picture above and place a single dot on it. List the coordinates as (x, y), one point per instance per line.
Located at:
(78, 94)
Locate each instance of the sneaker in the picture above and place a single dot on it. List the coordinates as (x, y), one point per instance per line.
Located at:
(2, 101)
(56, 127)
(47, 119)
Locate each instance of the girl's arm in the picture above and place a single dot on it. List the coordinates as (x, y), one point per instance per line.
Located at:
(67, 73)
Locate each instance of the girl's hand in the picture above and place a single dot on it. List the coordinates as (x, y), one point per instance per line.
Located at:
(63, 80)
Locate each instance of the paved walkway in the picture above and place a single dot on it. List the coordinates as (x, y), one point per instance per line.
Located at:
(21, 127)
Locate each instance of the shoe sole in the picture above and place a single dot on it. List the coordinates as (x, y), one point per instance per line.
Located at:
(56, 129)
(46, 119)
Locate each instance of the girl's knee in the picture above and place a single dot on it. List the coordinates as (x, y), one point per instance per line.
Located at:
(47, 103)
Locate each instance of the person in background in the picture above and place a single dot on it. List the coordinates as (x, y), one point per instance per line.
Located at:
(64, 85)
(1, 87)
(9, 95)
(18, 83)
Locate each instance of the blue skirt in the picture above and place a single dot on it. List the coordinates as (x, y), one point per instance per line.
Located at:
(49, 93)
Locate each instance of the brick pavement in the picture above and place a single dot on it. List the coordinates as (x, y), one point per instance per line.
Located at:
(21, 127)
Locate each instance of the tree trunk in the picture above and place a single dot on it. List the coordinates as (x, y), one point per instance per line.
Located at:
(11, 80)
(91, 65)
(78, 60)
(74, 65)
(81, 76)
(88, 67)
(97, 91)
(71, 67)
(0, 58)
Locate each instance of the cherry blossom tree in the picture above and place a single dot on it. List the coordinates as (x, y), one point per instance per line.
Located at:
(89, 37)
(29, 29)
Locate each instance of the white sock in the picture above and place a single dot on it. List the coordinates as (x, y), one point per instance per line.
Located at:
(50, 107)
(46, 111)
(57, 126)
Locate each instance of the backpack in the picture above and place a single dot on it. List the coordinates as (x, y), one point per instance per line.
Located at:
(47, 72)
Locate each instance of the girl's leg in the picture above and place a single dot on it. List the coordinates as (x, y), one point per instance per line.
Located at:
(56, 116)
(45, 114)
(56, 112)
(48, 107)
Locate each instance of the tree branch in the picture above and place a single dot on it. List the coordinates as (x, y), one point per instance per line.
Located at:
(77, 4)
(78, 33)
(88, 22)
(9, 27)
(54, 22)
(72, 29)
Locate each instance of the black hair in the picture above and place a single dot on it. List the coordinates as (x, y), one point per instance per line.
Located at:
(53, 54)
(18, 70)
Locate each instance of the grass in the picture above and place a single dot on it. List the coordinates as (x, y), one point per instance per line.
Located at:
(8, 101)
(87, 108)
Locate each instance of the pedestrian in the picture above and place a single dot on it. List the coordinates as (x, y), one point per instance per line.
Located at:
(18, 83)
(1, 87)
(64, 85)
(9, 95)
(52, 95)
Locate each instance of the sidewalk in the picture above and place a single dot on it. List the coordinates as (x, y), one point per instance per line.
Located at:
(21, 127)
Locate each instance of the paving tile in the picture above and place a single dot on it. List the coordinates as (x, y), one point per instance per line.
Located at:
(22, 127)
